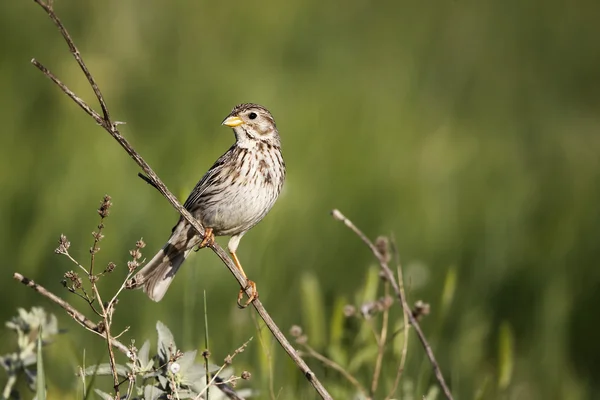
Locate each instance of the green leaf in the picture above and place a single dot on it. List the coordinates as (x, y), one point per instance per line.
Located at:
(365, 355)
(152, 392)
(103, 395)
(505, 355)
(165, 341)
(41, 377)
(104, 369)
(338, 319)
(313, 309)
(449, 290)
(144, 355)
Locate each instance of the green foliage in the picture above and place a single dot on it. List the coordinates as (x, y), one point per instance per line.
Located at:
(169, 373)
(34, 329)
(40, 374)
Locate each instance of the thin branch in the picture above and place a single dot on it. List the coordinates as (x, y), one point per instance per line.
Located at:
(47, 6)
(74, 313)
(107, 335)
(381, 344)
(400, 294)
(405, 327)
(111, 127)
(333, 365)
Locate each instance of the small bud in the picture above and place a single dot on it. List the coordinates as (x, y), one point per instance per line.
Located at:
(206, 353)
(336, 214)
(295, 331)
(421, 309)
(111, 267)
(303, 339)
(63, 245)
(382, 244)
(246, 375)
(349, 310)
(132, 265)
(103, 211)
(228, 360)
(76, 281)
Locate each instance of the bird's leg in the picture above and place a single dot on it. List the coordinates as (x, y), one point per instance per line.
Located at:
(250, 284)
(209, 239)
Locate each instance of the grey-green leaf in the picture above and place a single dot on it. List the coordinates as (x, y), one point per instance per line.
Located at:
(165, 340)
(41, 377)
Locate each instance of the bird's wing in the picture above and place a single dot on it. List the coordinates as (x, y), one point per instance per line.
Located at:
(207, 181)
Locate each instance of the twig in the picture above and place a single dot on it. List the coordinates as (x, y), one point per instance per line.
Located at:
(112, 128)
(228, 361)
(381, 344)
(74, 313)
(107, 324)
(405, 327)
(400, 294)
(333, 365)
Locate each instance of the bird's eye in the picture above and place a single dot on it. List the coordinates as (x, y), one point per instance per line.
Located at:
(252, 115)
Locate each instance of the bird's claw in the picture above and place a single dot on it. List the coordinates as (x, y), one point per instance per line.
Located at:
(209, 239)
(251, 298)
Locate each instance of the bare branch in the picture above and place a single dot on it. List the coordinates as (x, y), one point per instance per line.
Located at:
(389, 275)
(72, 311)
(112, 128)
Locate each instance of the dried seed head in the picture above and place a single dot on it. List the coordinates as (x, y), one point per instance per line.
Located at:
(387, 302)
(76, 282)
(140, 244)
(132, 265)
(206, 353)
(382, 244)
(349, 310)
(111, 267)
(246, 375)
(228, 360)
(421, 309)
(103, 211)
(63, 245)
(303, 339)
(98, 236)
(295, 331)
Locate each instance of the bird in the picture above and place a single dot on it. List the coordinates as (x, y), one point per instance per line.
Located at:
(234, 195)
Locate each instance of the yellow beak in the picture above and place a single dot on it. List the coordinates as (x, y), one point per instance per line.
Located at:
(233, 121)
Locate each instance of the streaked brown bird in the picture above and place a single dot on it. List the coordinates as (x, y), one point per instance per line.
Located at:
(232, 197)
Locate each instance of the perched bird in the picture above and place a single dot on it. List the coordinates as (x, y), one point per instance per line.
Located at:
(234, 195)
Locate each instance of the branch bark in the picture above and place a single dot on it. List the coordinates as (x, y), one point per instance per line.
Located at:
(111, 127)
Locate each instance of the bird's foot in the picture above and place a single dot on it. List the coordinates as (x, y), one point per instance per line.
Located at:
(209, 239)
(251, 285)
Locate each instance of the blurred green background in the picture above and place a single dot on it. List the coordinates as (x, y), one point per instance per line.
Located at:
(468, 129)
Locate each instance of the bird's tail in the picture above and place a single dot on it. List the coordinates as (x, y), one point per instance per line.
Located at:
(157, 275)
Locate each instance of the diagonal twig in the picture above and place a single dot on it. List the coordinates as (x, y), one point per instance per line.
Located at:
(112, 128)
(389, 275)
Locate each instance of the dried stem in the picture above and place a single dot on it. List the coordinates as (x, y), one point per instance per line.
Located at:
(381, 342)
(111, 127)
(405, 327)
(78, 316)
(333, 365)
(400, 294)
(107, 324)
